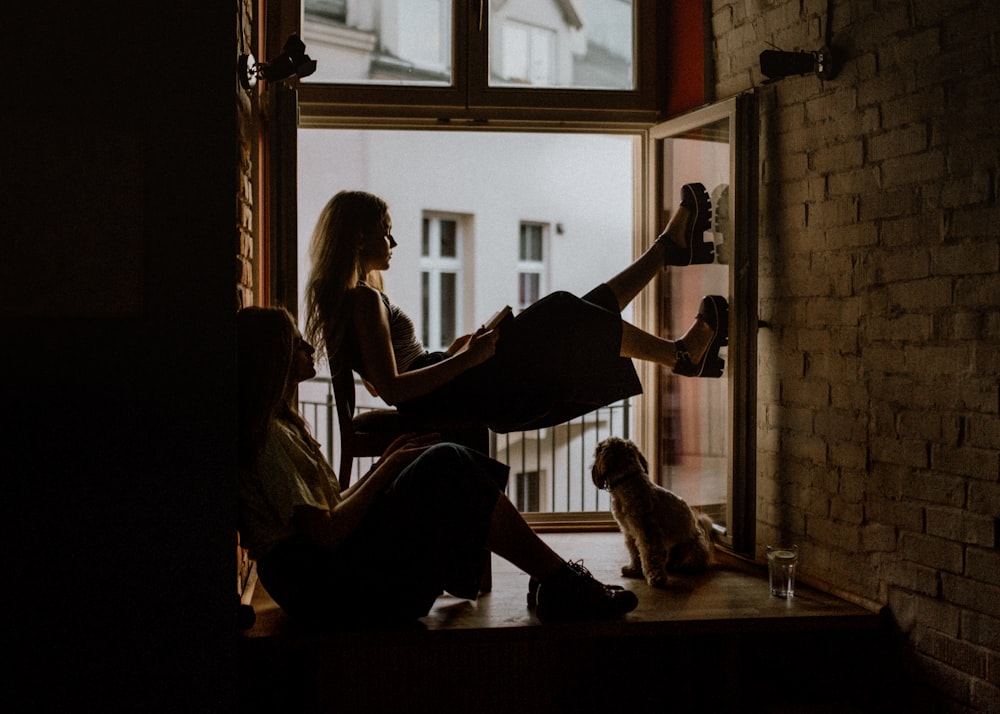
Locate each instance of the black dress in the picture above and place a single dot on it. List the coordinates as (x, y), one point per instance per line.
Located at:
(555, 361)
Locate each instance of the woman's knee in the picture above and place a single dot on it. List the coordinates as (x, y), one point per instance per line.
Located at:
(444, 456)
(440, 466)
(560, 298)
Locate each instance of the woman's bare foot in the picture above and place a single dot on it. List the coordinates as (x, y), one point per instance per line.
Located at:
(674, 232)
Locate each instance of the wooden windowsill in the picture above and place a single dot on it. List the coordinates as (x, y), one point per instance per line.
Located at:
(733, 594)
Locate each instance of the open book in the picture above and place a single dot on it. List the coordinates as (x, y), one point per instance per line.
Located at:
(498, 317)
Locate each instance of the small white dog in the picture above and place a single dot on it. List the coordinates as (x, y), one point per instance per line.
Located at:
(662, 532)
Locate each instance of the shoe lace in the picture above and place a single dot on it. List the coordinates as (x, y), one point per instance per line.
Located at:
(577, 565)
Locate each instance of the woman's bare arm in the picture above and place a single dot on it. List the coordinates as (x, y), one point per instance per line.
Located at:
(371, 326)
(331, 528)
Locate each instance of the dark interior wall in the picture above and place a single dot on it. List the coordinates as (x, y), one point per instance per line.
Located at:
(118, 354)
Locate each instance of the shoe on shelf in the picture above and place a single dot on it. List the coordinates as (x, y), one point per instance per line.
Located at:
(574, 594)
(714, 312)
(697, 251)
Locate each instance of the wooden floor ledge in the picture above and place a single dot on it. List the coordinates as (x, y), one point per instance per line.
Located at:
(709, 641)
(732, 593)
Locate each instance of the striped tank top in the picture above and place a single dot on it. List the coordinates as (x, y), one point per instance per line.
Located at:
(405, 345)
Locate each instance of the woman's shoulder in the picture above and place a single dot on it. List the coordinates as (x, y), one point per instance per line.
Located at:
(365, 297)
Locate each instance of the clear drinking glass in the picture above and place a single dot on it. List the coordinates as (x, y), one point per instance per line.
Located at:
(781, 563)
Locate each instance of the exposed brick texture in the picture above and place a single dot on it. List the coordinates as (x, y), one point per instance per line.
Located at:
(244, 223)
(244, 180)
(879, 434)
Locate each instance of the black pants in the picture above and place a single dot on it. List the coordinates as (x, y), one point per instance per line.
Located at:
(425, 534)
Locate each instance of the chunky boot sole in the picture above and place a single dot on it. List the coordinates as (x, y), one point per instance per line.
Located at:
(698, 251)
(714, 312)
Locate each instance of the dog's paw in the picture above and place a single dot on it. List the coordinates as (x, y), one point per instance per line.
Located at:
(630, 571)
(657, 580)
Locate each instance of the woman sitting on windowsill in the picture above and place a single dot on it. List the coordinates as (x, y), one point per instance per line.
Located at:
(414, 526)
(560, 358)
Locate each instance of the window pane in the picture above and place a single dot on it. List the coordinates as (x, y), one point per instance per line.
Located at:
(449, 307)
(529, 287)
(449, 245)
(335, 10)
(695, 413)
(425, 308)
(527, 492)
(528, 55)
(584, 44)
(425, 238)
(394, 42)
(531, 242)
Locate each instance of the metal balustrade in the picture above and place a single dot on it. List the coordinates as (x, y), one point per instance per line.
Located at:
(549, 468)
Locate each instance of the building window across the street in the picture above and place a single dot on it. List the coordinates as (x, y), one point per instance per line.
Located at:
(531, 264)
(527, 491)
(440, 281)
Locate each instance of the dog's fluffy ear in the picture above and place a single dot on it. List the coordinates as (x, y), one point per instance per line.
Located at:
(642, 458)
(597, 470)
(604, 461)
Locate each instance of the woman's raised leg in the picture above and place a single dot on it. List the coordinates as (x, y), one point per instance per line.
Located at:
(696, 354)
(679, 244)
(630, 281)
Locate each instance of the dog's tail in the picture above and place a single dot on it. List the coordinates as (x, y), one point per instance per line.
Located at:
(707, 526)
(698, 553)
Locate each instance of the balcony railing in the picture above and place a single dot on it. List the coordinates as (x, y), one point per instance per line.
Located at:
(549, 468)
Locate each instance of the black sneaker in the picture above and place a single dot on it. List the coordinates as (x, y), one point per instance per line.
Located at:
(533, 589)
(574, 594)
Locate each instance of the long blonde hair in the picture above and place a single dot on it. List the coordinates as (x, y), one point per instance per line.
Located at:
(335, 252)
(266, 339)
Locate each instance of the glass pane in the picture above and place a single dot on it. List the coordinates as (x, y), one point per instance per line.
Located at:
(425, 308)
(449, 308)
(696, 412)
(528, 284)
(335, 10)
(425, 238)
(393, 42)
(531, 242)
(449, 243)
(527, 492)
(583, 44)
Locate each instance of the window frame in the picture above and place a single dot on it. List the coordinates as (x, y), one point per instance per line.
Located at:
(741, 113)
(471, 98)
(546, 110)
